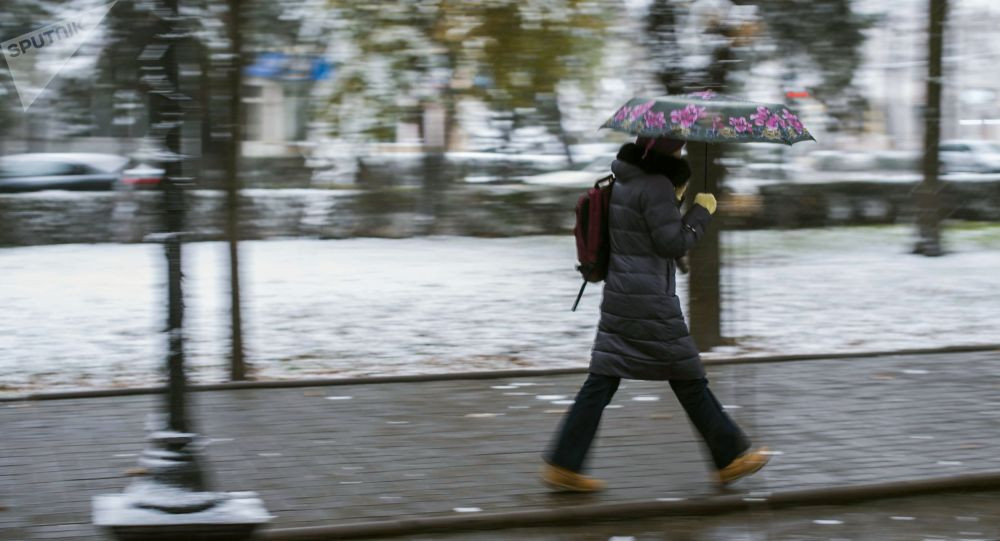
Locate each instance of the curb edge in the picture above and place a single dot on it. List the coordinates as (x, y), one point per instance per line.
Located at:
(639, 509)
(497, 374)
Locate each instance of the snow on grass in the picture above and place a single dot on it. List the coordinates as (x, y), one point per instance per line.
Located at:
(91, 315)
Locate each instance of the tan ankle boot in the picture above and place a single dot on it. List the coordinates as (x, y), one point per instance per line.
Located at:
(746, 464)
(558, 478)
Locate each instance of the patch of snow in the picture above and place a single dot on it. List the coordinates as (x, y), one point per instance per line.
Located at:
(92, 315)
(117, 510)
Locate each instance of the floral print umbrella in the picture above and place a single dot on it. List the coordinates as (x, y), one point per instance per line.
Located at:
(711, 118)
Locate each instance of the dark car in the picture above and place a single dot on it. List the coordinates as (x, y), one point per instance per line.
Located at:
(61, 171)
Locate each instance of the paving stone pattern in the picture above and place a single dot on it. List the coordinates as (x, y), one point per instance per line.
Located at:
(329, 455)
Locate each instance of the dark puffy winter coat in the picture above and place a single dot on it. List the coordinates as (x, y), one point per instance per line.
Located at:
(642, 333)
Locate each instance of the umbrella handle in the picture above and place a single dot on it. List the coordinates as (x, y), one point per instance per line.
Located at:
(705, 175)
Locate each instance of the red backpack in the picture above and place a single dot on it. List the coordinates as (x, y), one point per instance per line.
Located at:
(593, 242)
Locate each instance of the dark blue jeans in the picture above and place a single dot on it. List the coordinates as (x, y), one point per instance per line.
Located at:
(724, 439)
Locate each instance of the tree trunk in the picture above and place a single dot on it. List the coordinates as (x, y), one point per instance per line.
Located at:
(661, 29)
(433, 135)
(704, 301)
(928, 205)
(552, 113)
(237, 363)
(214, 149)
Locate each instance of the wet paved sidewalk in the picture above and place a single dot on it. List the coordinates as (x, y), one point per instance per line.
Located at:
(333, 455)
(934, 517)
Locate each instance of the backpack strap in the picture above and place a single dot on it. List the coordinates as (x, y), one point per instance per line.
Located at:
(578, 296)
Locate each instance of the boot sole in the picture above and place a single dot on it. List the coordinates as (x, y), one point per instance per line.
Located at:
(745, 474)
(569, 488)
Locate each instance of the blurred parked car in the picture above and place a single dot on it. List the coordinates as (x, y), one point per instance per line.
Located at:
(972, 155)
(68, 171)
(582, 176)
(142, 176)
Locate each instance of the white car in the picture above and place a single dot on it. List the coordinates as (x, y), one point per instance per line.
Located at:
(60, 171)
(972, 155)
(582, 176)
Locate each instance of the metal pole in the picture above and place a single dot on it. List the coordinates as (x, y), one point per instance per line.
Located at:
(704, 176)
(171, 501)
(176, 380)
(169, 115)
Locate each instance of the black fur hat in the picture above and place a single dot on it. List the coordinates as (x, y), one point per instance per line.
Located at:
(655, 163)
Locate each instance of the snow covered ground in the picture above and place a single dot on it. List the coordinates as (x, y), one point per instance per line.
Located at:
(90, 315)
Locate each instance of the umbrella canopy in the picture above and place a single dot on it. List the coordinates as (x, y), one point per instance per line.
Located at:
(710, 118)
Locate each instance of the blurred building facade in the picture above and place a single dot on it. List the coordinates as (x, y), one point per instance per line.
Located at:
(896, 70)
(276, 98)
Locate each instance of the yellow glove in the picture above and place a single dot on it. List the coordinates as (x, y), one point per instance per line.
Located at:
(706, 200)
(680, 191)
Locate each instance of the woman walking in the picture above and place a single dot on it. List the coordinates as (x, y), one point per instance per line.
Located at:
(642, 333)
